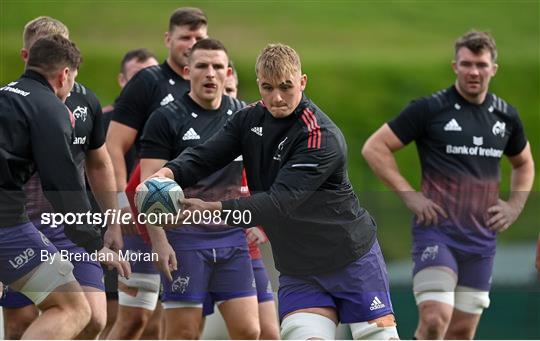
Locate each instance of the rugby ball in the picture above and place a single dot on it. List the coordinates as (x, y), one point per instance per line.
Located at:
(158, 195)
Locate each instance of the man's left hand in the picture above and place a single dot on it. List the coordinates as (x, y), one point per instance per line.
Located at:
(502, 216)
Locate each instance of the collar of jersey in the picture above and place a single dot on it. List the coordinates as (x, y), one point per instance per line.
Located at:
(200, 110)
(37, 77)
(304, 103)
(462, 101)
(168, 69)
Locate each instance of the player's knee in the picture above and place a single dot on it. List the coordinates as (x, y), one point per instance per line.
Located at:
(81, 309)
(14, 329)
(134, 318)
(96, 324)
(304, 326)
(248, 331)
(434, 323)
(269, 331)
(382, 328)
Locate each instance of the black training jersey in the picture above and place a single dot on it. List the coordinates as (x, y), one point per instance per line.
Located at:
(149, 89)
(89, 134)
(37, 134)
(183, 124)
(131, 155)
(89, 129)
(300, 191)
(460, 145)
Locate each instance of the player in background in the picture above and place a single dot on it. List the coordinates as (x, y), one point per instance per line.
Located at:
(212, 258)
(461, 134)
(33, 111)
(148, 90)
(324, 243)
(91, 156)
(154, 87)
(230, 87)
(132, 62)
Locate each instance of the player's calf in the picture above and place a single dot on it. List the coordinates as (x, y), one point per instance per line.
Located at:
(183, 320)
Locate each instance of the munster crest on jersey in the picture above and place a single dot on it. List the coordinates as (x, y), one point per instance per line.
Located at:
(80, 113)
(499, 128)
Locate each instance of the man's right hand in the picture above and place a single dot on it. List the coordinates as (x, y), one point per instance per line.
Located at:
(427, 212)
(112, 260)
(166, 258)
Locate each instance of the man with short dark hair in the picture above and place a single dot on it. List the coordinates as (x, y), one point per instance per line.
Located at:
(324, 243)
(90, 154)
(132, 62)
(461, 134)
(155, 87)
(214, 260)
(149, 89)
(33, 111)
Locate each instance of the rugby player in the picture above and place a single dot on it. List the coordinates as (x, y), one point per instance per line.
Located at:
(461, 134)
(90, 154)
(213, 260)
(145, 92)
(33, 112)
(324, 243)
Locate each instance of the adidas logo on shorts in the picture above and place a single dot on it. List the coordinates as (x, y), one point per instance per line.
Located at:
(191, 134)
(376, 304)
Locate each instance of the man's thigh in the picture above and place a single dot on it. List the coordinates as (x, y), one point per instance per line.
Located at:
(232, 275)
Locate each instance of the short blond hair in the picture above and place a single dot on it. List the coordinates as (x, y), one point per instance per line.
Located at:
(278, 61)
(41, 27)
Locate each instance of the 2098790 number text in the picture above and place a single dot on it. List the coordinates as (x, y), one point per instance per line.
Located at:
(206, 217)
